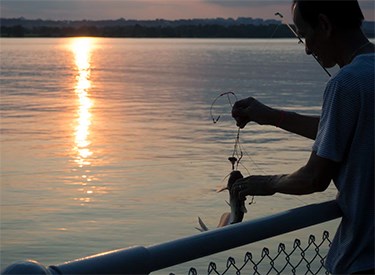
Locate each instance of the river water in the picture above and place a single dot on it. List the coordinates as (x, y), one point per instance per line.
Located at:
(109, 143)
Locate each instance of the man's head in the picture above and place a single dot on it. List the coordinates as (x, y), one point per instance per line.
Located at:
(344, 14)
(321, 23)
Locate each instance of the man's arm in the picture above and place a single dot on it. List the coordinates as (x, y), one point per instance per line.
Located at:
(250, 109)
(315, 176)
(302, 125)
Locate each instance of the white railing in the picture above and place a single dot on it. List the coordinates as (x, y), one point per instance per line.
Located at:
(144, 260)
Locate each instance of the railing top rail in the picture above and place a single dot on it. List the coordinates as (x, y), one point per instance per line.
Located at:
(143, 260)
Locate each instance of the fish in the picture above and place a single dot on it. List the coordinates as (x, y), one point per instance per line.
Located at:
(237, 206)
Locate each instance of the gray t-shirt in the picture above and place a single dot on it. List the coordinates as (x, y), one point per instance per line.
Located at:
(346, 136)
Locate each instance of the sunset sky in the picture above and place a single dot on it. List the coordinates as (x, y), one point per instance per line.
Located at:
(152, 9)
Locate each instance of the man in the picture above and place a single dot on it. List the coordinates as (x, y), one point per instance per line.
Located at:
(343, 150)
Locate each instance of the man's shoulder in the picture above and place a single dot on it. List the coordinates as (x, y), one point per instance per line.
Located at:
(360, 70)
(363, 63)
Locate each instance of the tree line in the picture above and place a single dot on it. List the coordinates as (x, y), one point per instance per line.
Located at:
(139, 31)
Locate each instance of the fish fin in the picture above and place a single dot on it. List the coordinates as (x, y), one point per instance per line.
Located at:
(224, 219)
(221, 189)
(202, 225)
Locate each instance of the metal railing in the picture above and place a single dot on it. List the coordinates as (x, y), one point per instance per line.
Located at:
(144, 260)
(299, 259)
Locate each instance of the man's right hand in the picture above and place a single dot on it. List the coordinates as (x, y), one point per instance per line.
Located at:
(250, 109)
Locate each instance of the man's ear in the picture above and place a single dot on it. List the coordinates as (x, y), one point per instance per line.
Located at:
(325, 24)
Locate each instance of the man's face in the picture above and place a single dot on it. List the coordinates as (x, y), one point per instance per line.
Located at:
(316, 41)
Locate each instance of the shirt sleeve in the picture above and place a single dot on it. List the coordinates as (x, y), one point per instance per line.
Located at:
(338, 120)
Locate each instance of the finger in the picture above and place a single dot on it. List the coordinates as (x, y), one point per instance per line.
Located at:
(242, 194)
(241, 124)
(246, 190)
(240, 190)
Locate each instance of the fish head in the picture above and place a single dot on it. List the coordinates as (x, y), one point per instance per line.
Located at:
(234, 175)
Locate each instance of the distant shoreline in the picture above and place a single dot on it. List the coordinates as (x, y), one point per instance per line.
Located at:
(160, 28)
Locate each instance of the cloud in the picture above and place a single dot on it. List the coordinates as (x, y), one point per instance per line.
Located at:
(99, 9)
(152, 9)
(36, 8)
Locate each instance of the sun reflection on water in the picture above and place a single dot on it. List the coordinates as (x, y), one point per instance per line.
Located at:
(82, 48)
(82, 53)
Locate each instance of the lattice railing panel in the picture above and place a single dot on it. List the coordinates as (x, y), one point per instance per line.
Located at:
(299, 259)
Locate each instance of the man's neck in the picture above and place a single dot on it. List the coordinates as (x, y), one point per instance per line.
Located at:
(350, 44)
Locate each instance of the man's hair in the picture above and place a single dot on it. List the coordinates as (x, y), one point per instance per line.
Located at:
(344, 14)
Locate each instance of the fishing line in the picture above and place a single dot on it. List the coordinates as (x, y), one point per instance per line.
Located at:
(214, 120)
(238, 150)
(237, 153)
